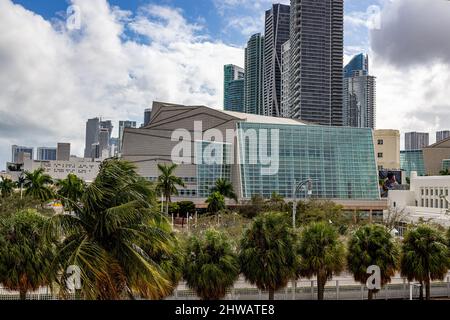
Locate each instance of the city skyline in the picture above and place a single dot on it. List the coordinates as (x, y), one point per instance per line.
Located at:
(197, 46)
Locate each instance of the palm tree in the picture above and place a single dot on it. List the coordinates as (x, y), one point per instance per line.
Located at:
(38, 185)
(211, 265)
(267, 252)
(445, 172)
(70, 190)
(115, 237)
(216, 202)
(276, 200)
(372, 245)
(168, 182)
(225, 188)
(25, 256)
(322, 254)
(6, 187)
(424, 256)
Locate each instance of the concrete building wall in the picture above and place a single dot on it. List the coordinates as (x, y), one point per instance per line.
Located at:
(387, 144)
(434, 154)
(83, 168)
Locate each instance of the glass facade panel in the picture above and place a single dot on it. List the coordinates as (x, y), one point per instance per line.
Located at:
(340, 159)
(412, 160)
(207, 174)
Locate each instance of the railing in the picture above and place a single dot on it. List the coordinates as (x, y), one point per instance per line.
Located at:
(341, 289)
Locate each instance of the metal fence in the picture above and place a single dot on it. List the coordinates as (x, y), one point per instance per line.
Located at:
(334, 290)
(342, 289)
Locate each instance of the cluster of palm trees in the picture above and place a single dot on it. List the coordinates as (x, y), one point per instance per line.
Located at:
(114, 232)
(270, 254)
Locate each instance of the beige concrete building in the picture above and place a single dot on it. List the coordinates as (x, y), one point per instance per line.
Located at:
(434, 156)
(387, 149)
(85, 169)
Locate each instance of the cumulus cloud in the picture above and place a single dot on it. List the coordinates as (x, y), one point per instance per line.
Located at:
(54, 79)
(411, 59)
(413, 32)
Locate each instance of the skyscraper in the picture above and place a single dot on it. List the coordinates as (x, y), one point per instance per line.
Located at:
(63, 151)
(285, 68)
(147, 116)
(416, 140)
(122, 126)
(316, 77)
(359, 103)
(46, 153)
(277, 25)
(92, 129)
(16, 150)
(233, 88)
(254, 62)
(442, 135)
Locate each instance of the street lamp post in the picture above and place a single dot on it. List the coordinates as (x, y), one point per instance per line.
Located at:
(296, 187)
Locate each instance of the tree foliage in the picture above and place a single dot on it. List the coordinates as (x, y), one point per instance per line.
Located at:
(372, 245)
(112, 235)
(322, 253)
(268, 252)
(424, 256)
(25, 255)
(211, 265)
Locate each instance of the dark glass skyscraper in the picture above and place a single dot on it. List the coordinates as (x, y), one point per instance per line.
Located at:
(359, 63)
(359, 105)
(316, 39)
(254, 62)
(277, 26)
(233, 88)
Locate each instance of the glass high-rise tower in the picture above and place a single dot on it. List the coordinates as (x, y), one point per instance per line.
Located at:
(316, 54)
(359, 104)
(254, 62)
(277, 29)
(233, 88)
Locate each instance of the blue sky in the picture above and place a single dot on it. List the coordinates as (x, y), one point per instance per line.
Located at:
(217, 16)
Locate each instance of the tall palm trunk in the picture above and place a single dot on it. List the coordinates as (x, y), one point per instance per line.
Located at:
(271, 294)
(370, 295)
(23, 294)
(421, 291)
(321, 280)
(427, 289)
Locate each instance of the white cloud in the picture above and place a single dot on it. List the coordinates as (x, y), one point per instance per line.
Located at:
(411, 60)
(53, 80)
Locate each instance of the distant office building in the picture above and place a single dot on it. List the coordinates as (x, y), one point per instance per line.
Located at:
(316, 77)
(285, 68)
(97, 132)
(442, 135)
(114, 147)
(412, 160)
(435, 155)
(63, 151)
(104, 143)
(46, 154)
(92, 130)
(233, 86)
(416, 140)
(359, 94)
(147, 116)
(387, 149)
(122, 126)
(254, 62)
(277, 26)
(18, 153)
